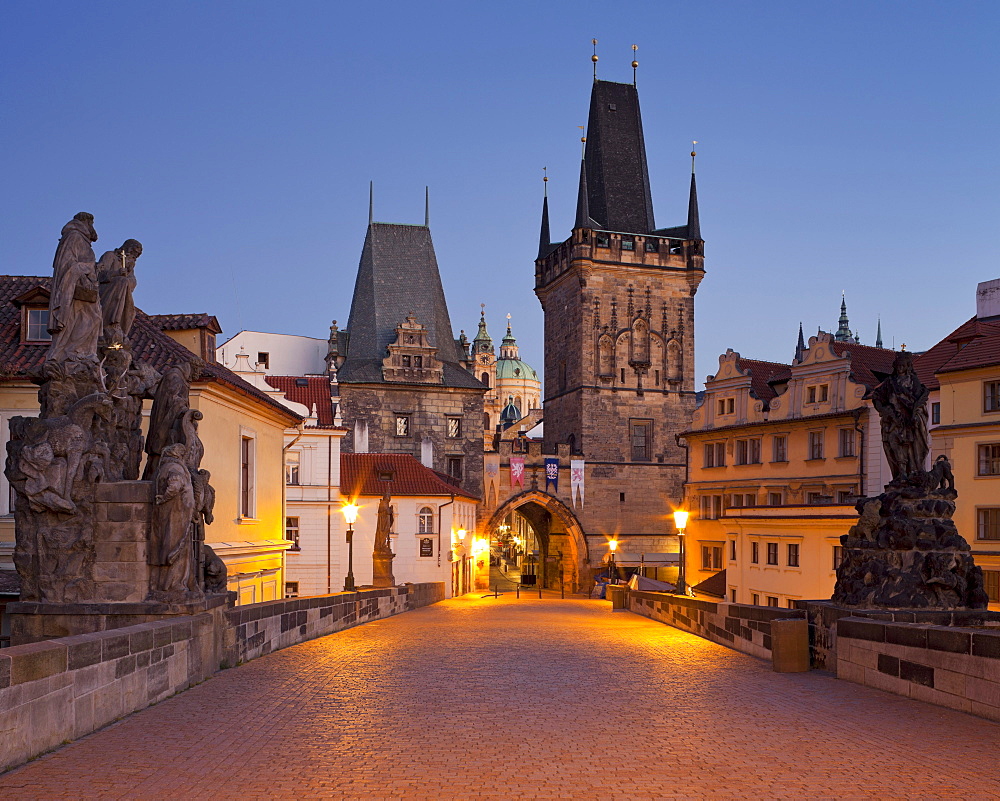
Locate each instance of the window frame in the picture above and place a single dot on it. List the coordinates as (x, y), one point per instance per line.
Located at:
(983, 523)
(779, 448)
(454, 428)
(293, 468)
(792, 554)
(247, 498)
(991, 394)
(42, 324)
(405, 418)
(990, 460)
(755, 552)
(293, 532)
(816, 443)
(425, 520)
(771, 554)
(847, 443)
(634, 427)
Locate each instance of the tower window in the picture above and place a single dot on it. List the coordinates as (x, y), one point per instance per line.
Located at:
(628, 243)
(652, 246)
(603, 241)
(485, 379)
(264, 359)
(623, 375)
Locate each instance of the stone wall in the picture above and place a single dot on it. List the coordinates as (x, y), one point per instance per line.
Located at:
(58, 690)
(953, 667)
(738, 626)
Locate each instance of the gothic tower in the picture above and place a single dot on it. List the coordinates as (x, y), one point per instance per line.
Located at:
(618, 300)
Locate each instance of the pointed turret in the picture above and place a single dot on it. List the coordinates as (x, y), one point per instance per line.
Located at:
(483, 343)
(508, 348)
(544, 238)
(878, 334)
(583, 219)
(844, 330)
(694, 224)
(800, 347)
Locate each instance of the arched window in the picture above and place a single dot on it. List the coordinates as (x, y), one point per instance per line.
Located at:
(425, 520)
(486, 379)
(486, 422)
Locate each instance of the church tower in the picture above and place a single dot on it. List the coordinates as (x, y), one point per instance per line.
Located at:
(618, 300)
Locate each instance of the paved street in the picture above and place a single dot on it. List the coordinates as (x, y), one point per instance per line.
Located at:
(487, 698)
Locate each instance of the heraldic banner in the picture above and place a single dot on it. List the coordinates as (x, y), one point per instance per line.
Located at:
(492, 463)
(576, 479)
(517, 471)
(552, 474)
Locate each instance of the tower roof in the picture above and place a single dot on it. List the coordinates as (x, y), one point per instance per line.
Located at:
(398, 276)
(483, 336)
(617, 178)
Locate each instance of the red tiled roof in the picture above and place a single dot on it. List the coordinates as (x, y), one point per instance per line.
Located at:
(359, 476)
(185, 322)
(868, 365)
(714, 585)
(149, 344)
(316, 392)
(762, 374)
(975, 343)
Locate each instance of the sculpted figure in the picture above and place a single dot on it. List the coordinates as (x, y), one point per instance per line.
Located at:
(171, 401)
(74, 307)
(170, 551)
(215, 571)
(383, 526)
(116, 274)
(901, 402)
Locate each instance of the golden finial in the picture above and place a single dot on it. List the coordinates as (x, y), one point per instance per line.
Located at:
(583, 141)
(635, 64)
(693, 154)
(545, 180)
(594, 57)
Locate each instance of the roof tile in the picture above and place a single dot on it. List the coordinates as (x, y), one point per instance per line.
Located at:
(359, 476)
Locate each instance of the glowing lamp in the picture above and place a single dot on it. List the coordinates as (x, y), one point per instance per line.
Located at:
(681, 519)
(350, 511)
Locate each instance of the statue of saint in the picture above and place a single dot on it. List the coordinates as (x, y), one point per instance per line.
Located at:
(171, 401)
(383, 526)
(171, 548)
(116, 274)
(901, 401)
(74, 304)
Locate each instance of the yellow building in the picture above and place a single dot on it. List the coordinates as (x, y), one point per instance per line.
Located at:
(242, 430)
(963, 373)
(777, 456)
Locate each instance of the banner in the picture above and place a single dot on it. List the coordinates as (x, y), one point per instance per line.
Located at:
(552, 474)
(492, 466)
(576, 479)
(517, 471)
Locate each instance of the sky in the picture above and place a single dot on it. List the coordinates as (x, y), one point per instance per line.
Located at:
(842, 147)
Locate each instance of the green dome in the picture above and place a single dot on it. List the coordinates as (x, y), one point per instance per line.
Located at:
(515, 369)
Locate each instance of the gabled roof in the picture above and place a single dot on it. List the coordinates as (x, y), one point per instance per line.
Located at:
(975, 343)
(618, 196)
(398, 276)
(185, 322)
(763, 375)
(869, 365)
(359, 475)
(149, 345)
(309, 390)
(714, 585)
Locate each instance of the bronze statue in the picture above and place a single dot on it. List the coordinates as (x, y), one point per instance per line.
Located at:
(74, 305)
(901, 401)
(382, 554)
(116, 274)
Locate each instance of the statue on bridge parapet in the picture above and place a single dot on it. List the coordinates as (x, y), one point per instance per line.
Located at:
(905, 551)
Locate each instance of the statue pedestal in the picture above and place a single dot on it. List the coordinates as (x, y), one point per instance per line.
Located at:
(121, 536)
(382, 570)
(33, 622)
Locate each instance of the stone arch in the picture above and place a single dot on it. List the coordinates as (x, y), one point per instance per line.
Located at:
(577, 574)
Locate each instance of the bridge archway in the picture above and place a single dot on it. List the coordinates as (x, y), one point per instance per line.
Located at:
(557, 530)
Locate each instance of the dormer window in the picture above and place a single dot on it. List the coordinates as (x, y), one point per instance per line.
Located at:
(628, 243)
(36, 324)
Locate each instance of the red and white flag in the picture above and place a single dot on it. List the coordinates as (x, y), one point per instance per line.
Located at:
(517, 471)
(576, 479)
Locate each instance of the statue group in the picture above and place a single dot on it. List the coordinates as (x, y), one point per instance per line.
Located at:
(905, 551)
(89, 433)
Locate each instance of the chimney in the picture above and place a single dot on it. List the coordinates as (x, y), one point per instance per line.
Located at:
(988, 299)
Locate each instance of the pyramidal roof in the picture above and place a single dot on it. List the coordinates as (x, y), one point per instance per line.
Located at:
(398, 276)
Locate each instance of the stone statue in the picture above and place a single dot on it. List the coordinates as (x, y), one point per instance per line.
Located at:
(901, 402)
(382, 554)
(74, 304)
(214, 569)
(170, 548)
(171, 401)
(116, 275)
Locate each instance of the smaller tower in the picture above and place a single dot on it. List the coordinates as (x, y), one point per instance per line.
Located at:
(878, 334)
(844, 330)
(800, 347)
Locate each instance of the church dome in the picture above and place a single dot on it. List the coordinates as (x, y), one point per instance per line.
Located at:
(515, 369)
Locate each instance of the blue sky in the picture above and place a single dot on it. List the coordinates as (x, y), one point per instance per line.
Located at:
(842, 146)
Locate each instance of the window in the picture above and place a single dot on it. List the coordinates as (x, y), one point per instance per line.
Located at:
(817, 394)
(779, 448)
(263, 359)
(485, 378)
(715, 454)
(454, 427)
(845, 496)
(772, 601)
(732, 550)
(935, 413)
(991, 582)
(641, 432)
(711, 557)
(755, 554)
(718, 508)
(603, 241)
(774, 499)
(810, 394)
(455, 467)
(621, 497)
(247, 495)
(748, 451)
(838, 556)
(989, 460)
(793, 554)
(847, 439)
(736, 501)
(656, 380)
(628, 243)
(816, 498)
(727, 405)
(406, 360)
(991, 396)
(652, 246)
(291, 589)
(623, 375)
(402, 425)
(755, 599)
(749, 499)
(292, 468)
(711, 507)
(37, 325)
(772, 553)
(292, 532)
(815, 444)
(732, 596)
(989, 524)
(790, 603)
(418, 361)
(425, 520)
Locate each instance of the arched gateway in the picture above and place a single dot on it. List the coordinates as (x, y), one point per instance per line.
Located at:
(558, 533)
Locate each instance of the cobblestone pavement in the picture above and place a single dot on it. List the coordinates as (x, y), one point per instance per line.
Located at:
(504, 698)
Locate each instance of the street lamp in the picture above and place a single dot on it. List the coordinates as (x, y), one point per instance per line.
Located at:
(613, 545)
(350, 515)
(680, 521)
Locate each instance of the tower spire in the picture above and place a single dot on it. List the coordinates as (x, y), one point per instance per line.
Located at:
(694, 223)
(371, 202)
(800, 347)
(635, 64)
(844, 329)
(583, 200)
(878, 334)
(544, 238)
(427, 207)
(594, 58)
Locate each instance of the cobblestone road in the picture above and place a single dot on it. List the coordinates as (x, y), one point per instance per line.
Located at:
(485, 698)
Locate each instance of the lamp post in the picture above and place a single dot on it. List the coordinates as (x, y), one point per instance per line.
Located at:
(680, 521)
(350, 515)
(613, 545)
